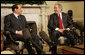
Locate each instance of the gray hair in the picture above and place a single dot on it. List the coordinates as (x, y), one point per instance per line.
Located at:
(60, 6)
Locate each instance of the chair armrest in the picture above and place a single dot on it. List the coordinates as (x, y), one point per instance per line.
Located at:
(7, 33)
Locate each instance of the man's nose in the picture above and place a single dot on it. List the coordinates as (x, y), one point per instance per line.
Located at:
(55, 9)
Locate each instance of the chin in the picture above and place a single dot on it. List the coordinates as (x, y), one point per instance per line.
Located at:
(20, 13)
(56, 12)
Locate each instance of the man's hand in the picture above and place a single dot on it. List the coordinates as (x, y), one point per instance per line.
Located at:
(61, 30)
(68, 29)
(30, 30)
(20, 33)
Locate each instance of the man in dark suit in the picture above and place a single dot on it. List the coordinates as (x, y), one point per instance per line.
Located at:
(59, 21)
(17, 25)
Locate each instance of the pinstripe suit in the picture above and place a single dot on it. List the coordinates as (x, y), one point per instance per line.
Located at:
(11, 23)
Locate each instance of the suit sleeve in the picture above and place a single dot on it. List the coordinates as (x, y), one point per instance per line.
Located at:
(7, 24)
(50, 23)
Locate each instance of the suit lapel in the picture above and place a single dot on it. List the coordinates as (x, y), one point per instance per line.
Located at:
(56, 17)
(15, 19)
(56, 20)
(14, 16)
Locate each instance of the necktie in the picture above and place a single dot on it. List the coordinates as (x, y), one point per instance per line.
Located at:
(60, 23)
(20, 22)
(19, 17)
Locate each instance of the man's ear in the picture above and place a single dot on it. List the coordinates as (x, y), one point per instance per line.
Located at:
(15, 9)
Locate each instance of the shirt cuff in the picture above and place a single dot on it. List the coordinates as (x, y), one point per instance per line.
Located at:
(16, 32)
(68, 28)
(56, 28)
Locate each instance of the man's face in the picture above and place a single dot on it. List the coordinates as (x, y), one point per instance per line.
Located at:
(19, 10)
(57, 9)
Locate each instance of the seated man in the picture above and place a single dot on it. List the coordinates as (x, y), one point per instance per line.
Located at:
(16, 24)
(58, 23)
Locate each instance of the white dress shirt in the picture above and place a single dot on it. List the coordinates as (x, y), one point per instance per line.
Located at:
(16, 15)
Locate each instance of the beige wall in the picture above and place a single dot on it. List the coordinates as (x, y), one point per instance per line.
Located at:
(77, 7)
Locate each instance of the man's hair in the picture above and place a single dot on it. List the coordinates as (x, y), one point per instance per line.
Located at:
(60, 6)
(14, 7)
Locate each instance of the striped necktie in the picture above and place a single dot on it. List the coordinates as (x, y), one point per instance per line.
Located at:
(60, 23)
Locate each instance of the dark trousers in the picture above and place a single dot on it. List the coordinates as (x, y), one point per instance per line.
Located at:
(70, 35)
(26, 38)
(33, 39)
(37, 43)
(54, 37)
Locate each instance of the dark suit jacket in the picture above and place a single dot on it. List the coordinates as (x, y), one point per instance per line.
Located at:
(11, 23)
(54, 21)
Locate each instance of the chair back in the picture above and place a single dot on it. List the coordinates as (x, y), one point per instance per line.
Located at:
(32, 25)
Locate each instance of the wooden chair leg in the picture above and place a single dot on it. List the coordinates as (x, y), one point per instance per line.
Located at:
(17, 52)
(21, 51)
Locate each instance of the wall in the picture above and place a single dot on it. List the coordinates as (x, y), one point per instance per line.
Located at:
(43, 13)
(77, 7)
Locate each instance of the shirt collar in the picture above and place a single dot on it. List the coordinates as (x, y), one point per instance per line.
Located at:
(60, 14)
(16, 15)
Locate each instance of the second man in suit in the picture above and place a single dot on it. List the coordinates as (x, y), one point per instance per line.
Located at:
(58, 22)
(16, 24)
